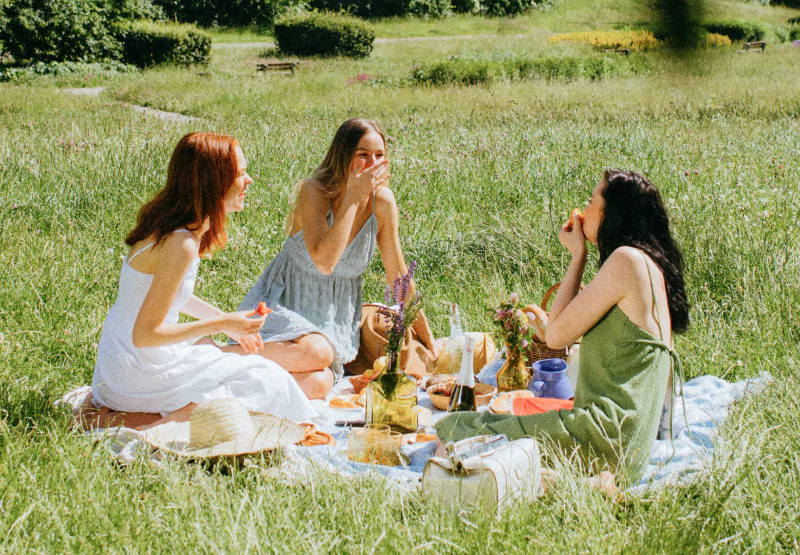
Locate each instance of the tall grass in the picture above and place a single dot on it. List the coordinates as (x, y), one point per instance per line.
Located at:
(483, 177)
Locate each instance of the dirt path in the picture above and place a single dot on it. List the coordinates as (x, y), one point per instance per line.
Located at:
(160, 114)
(377, 41)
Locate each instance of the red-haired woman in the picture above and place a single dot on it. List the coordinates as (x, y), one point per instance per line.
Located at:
(145, 362)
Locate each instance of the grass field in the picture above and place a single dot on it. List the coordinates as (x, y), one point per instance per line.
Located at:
(483, 177)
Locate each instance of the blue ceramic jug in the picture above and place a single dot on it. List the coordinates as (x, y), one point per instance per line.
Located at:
(550, 379)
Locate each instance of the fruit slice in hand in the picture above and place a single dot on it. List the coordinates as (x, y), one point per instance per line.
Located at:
(262, 309)
(569, 222)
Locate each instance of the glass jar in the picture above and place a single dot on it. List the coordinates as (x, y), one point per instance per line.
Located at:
(514, 374)
(392, 398)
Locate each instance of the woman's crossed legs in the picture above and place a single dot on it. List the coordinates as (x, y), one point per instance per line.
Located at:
(307, 358)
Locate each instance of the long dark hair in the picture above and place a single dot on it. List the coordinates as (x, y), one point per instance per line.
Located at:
(634, 216)
(201, 171)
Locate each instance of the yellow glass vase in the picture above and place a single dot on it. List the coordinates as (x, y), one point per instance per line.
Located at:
(514, 374)
(391, 398)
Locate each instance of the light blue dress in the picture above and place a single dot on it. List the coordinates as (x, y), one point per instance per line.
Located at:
(304, 300)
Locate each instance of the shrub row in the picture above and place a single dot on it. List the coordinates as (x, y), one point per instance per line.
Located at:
(57, 30)
(483, 71)
(603, 40)
(229, 13)
(738, 30)
(735, 30)
(95, 30)
(638, 40)
(62, 69)
(316, 34)
(146, 44)
(431, 8)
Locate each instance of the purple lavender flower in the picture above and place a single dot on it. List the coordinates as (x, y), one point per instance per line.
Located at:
(407, 308)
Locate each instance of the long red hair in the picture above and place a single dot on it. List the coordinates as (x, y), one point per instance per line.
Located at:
(202, 169)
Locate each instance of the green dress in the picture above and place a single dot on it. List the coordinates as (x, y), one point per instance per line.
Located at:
(624, 371)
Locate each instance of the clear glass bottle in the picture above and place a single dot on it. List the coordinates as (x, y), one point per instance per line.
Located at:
(463, 397)
(391, 398)
(455, 341)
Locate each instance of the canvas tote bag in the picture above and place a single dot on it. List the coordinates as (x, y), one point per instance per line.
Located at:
(492, 480)
(415, 358)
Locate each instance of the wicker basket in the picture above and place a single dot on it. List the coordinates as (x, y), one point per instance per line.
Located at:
(538, 350)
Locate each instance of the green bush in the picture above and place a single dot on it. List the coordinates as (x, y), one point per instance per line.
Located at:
(371, 9)
(121, 10)
(500, 8)
(57, 30)
(228, 13)
(484, 71)
(429, 8)
(794, 34)
(146, 44)
(737, 30)
(781, 33)
(63, 69)
(466, 6)
(3, 21)
(318, 34)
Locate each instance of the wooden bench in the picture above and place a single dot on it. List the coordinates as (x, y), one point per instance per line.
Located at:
(625, 51)
(755, 45)
(281, 68)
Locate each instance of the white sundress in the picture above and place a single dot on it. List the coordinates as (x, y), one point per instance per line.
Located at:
(166, 378)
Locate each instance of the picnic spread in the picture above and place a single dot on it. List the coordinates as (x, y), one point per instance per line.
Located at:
(697, 418)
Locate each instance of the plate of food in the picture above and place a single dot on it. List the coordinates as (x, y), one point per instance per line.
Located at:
(503, 402)
(353, 401)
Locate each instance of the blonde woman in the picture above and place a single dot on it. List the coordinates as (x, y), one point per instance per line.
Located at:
(314, 285)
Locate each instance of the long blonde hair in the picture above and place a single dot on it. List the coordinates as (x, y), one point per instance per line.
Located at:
(331, 175)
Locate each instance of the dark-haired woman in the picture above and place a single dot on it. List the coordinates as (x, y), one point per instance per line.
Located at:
(145, 362)
(314, 285)
(626, 315)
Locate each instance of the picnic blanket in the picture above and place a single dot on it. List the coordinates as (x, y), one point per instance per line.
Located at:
(697, 417)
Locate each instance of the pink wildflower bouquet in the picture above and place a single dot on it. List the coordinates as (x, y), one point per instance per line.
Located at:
(515, 326)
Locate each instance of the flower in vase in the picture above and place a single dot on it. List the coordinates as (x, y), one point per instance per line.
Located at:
(400, 317)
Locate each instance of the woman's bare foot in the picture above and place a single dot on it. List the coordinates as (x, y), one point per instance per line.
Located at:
(605, 482)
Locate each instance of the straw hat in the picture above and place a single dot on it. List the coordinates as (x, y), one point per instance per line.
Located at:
(224, 427)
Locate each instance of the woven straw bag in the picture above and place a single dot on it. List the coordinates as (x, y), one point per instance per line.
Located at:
(537, 349)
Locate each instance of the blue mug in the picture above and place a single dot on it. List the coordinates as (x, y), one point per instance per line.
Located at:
(550, 379)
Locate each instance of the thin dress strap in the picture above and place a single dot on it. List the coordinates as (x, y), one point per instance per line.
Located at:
(148, 245)
(140, 251)
(655, 302)
(675, 367)
(373, 203)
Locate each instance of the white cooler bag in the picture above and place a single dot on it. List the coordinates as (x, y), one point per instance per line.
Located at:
(490, 480)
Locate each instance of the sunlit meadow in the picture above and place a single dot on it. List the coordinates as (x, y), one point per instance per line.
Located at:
(483, 177)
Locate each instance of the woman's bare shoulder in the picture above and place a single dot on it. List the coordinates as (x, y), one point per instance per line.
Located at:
(178, 245)
(310, 189)
(385, 203)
